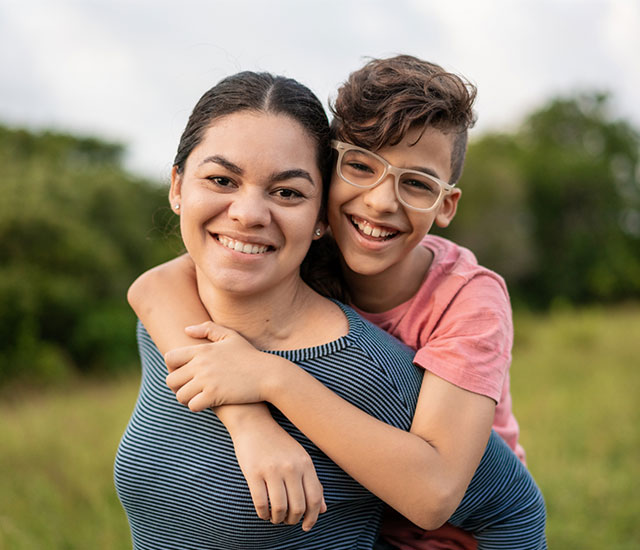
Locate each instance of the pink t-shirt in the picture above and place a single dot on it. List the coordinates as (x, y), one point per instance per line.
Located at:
(459, 323)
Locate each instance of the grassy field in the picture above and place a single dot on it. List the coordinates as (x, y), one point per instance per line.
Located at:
(576, 387)
(575, 381)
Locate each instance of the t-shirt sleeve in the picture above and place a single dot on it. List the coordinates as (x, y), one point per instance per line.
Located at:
(471, 344)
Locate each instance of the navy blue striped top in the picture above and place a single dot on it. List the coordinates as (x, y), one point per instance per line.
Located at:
(176, 471)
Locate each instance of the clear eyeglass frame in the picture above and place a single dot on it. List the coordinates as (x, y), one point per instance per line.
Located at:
(342, 147)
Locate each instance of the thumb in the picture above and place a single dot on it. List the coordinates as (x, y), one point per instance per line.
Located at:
(208, 330)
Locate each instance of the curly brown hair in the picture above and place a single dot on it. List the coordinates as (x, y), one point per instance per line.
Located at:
(382, 101)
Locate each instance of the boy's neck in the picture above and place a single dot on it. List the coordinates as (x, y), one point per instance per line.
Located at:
(384, 291)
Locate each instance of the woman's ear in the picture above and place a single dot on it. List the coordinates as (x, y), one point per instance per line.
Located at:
(447, 210)
(319, 230)
(175, 190)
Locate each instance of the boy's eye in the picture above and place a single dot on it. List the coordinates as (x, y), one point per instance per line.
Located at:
(419, 185)
(360, 167)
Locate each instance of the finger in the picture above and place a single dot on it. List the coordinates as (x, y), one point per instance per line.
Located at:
(260, 497)
(277, 500)
(315, 503)
(187, 392)
(178, 378)
(296, 500)
(179, 356)
(202, 401)
(208, 330)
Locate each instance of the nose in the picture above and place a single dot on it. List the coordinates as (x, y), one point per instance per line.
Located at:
(250, 208)
(382, 197)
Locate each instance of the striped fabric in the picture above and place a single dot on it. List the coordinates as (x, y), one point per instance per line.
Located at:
(503, 507)
(178, 479)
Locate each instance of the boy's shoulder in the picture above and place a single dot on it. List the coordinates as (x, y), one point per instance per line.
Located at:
(453, 262)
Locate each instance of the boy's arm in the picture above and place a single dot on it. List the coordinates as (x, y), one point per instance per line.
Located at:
(277, 468)
(165, 299)
(423, 474)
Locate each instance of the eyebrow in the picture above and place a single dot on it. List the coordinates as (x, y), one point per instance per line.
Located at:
(217, 159)
(275, 177)
(291, 174)
(423, 169)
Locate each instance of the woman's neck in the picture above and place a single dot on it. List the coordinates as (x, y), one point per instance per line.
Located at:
(281, 318)
(394, 286)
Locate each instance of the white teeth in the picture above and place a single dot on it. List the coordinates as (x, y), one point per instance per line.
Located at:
(239, 246)
(371, 230)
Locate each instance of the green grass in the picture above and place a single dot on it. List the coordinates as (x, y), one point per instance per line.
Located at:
(56, 480)
(575, 381)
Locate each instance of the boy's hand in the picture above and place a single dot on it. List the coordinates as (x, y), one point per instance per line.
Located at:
(280, 474)
(226, 371)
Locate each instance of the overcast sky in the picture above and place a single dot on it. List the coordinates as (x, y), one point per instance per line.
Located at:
(131, 70)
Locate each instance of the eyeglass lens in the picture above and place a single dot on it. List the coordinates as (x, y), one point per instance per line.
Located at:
(365, 170)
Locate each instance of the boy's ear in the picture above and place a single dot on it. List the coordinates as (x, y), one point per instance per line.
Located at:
(448, 208)
(175, 191)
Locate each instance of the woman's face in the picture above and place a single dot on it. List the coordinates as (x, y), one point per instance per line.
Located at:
(249, 198)
(374, 231)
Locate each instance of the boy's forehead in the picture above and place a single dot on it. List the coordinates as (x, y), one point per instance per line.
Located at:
(422, 147)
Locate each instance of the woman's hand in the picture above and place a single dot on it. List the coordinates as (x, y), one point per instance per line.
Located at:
(280, 474)
(229, 370)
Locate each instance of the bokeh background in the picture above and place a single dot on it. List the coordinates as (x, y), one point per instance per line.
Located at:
(93, 97)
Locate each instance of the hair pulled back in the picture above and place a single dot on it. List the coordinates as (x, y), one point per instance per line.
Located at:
(259, 92)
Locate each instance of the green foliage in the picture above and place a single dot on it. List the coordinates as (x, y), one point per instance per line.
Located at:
(555, 205)
(75, 230)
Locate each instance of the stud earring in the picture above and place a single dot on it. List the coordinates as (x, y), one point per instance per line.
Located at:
(317, 232)
(177, 206)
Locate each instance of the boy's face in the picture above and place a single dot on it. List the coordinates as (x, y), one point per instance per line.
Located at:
(374, 231)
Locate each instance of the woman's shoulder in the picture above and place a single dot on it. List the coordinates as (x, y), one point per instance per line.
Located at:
(383, 349)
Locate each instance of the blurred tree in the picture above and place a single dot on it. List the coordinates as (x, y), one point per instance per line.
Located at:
(582, 170)
(494, 219)
(555, 205)
(75, 229)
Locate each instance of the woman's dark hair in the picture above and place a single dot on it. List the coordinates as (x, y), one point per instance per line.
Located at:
(382, 101)
(267, 93)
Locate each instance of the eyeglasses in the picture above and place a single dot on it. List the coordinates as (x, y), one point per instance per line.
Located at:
(362, 168)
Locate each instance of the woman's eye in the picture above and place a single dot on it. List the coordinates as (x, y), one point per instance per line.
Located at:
(220, 181)
(287, 193)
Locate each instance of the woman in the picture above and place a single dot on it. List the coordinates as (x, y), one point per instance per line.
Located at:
(248, 184)
(414, 114)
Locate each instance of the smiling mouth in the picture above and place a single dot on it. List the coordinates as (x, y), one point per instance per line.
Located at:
(240, 246)
(372, 231)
